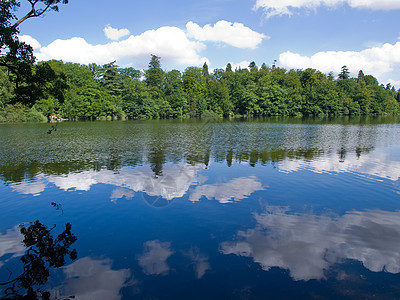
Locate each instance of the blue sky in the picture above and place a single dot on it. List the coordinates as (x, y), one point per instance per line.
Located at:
(322, 34)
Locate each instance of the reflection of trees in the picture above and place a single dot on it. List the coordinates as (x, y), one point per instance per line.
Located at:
(43, 252)
(255, 142)
(19, 169)
(157, 159)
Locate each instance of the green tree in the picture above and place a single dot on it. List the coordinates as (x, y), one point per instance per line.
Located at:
(271, 97)
(173, 91)
(129, 73)
(205, 72)
(253, 67)
(6, 88)
(15, 55)
(44, 85)
(360, 76)
(154, 74)
(111, 79)
(344, 74)
(218, 99)
(195, 89)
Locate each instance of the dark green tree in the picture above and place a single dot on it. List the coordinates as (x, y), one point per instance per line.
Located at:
(205, 72)
(360, 76)
(344, 74)
(111, 78)
(15, 55)
(253, 67)
(174, 93)
(154, 74)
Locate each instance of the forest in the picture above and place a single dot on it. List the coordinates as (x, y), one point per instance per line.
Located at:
(89, 92)
(33, 91)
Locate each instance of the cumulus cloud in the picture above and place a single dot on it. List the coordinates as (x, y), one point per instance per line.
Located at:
(199, 261)
(307, 245)
(11, 243)
(77, 181)
(171, 43)
(88, 278)
(375, 61)
(233, 190)
(233, 34)
(120, 193)
(154, 259)
(27, 39)
(377, 164)
(174, 183)
(29, 187)
(288, 7)
(115, 34)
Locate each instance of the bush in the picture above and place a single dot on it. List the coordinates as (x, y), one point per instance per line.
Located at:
(209, 114)
(19, 113)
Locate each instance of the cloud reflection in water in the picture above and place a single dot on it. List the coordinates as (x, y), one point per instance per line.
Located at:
(11, 244)
(377, 163)
(199, 261)
(227, 192)
(307, 245)
(154, 259)
(89, 278)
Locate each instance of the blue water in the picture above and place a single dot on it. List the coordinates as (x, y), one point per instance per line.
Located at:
(207, 209)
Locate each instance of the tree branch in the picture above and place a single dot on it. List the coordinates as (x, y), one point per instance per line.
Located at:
(33, 13)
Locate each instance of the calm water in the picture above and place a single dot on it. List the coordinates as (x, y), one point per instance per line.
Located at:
(204, 210)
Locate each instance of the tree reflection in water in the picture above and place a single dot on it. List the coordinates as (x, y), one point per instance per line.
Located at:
(43, 252)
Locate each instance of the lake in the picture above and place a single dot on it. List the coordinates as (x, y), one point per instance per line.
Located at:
(274, 208)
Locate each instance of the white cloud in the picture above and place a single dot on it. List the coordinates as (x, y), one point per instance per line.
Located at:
(244, 64)
(288, 7)
(77, 181)
(233, 190)
(154, 259)
(87, 278)
(115, 34)
(234, 34)
(199, 261)
(375, 61)
(307, 245)
(174, 183)
(27, 39)
(376, 164)
(11, 243)
(29, 187)
(120, 193)
(395, 83)
(170, 43)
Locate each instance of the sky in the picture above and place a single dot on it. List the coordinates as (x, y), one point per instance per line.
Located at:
(298, 34)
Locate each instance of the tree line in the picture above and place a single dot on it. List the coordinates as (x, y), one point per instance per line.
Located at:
(75, 91)
(32, 92)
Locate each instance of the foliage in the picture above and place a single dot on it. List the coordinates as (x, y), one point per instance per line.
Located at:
(29, 91)
(19, 113)
(107, 91)
(16, 56)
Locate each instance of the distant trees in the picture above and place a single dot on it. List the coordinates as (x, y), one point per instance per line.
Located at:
(108, 91)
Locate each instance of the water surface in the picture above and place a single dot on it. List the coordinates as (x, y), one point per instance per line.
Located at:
(207, 209)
